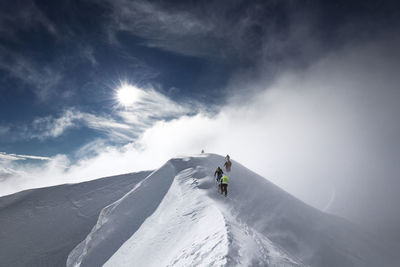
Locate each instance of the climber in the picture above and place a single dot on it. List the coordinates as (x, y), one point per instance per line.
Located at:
(228, 163)
(224, 185)
(218, 173)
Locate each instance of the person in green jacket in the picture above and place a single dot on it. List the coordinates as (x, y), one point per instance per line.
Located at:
(224, 185)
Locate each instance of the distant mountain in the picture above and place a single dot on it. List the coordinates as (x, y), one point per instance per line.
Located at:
(174, 216)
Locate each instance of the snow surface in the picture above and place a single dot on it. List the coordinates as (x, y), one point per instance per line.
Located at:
(40, 227)
(175, 217)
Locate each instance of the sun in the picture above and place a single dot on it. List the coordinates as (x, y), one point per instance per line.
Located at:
(128, 94)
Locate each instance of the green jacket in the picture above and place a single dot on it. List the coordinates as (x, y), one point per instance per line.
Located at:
(225, 179)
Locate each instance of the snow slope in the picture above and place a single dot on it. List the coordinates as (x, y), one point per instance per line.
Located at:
(40, 227)
(175, 217)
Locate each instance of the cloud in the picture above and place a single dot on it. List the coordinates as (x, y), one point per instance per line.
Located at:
(15, 177)
(16, 20)
(9, 170)
(16, 17)
(167, 29)
(89, 53)
(6, 156)
(233, 31)
(53, 127)
(148, 106)
(49, 126)
(124, 124)
(43, 77)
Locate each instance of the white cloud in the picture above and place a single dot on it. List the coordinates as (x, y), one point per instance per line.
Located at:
(6, 156)
(125, 124)
(51, 127)
(148, 105)
(54, 127)
(175, 30)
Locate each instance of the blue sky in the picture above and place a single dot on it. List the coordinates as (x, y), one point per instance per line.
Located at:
(303, 92)
(57, 57)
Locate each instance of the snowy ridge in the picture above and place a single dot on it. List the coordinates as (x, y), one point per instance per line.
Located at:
(175, 217)
(186, 229)
(190, 229)
(40, 227)
(118, 221)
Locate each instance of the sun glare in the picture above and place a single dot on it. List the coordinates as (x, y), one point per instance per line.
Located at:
(127, 95)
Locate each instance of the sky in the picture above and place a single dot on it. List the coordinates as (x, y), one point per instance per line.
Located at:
(305, 93)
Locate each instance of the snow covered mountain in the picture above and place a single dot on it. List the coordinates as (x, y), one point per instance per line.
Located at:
(39, 227)
(175, 217)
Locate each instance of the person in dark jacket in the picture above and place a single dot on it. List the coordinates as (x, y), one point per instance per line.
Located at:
(218, 173)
